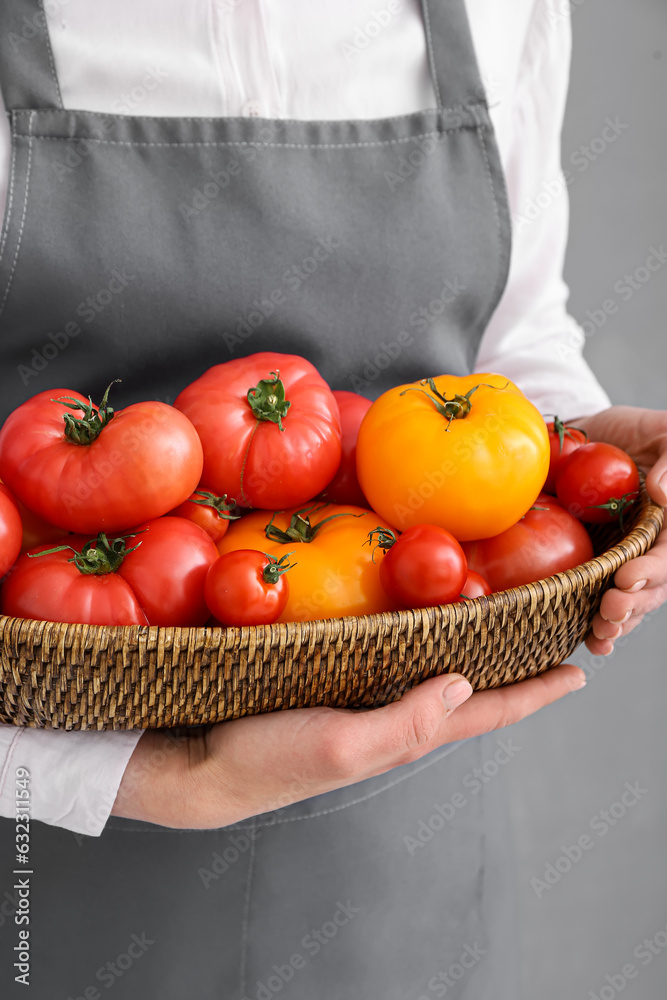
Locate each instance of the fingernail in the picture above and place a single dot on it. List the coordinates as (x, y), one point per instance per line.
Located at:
(581, 683)
(620, 621)
(616, 633)
(639, 585)
(456, 692)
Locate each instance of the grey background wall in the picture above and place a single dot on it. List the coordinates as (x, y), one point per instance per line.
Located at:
(578, 933)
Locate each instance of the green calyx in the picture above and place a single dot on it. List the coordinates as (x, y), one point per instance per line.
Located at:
(300, 528)
(276, 567)
(84, 430)
(384, 538)
(97, 557)
(564, 430)
(616, 506)
(267, 400)
(221, 505)
(456, 408)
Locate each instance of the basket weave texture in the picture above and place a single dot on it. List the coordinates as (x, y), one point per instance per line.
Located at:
(125, 677)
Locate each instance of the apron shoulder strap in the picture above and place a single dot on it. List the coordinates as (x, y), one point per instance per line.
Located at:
(451, 54)
(28, 78)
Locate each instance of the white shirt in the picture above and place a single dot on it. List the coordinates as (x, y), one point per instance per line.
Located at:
(342, 59)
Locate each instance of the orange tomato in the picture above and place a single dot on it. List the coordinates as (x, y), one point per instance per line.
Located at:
(332, 575)
(469, 454)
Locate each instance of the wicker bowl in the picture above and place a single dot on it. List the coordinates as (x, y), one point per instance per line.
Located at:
(125, 677)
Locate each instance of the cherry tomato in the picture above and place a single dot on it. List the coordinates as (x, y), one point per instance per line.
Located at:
(210, 512)
(270, 429)
(474, 586)
(88, 470)
(11, 531)
(334, 572)
(545, 541)
(563, 440)
(469, 454)
(155, 576)
(246, 587)
(425, 566)
(344, 487)
(597, 483)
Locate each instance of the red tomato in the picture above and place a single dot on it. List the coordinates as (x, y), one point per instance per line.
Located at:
(210, 512)
(247, 587)
(11, 531)
(545, 541)
(344, 488)
(474, 586)
(423, 567)
(597, 482)
(563, 440)
(270, 428)
(88, 470)
(155, 576)
(36, 530)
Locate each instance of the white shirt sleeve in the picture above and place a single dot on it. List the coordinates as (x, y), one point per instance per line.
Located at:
(531, 337)
(74, 776)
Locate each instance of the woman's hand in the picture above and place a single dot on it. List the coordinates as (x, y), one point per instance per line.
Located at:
(641, 584)
(227, 772)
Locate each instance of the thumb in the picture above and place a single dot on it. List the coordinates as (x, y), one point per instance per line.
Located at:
(404, 727)
(656, 480)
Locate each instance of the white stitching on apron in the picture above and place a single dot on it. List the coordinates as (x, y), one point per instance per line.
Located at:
(276, 145)
(431, 54)
(10, 199)
(25, 209)
(50, 52)
(246, 912)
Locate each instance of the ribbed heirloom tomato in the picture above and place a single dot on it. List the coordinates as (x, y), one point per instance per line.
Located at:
(333, 572)
(545, 541)
(344, 487)
(270, 429)
(86, 469)
(469, 454)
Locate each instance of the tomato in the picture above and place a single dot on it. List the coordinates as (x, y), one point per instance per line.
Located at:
(472, 463)
(270, 428)
(333, 573)
(344, 487)
(11, 531)
(210, 512)
(155, 576)
(425, 566)
(474, 586)
(93, 470)
(247, 588)
(35, 529)
(597, 482)
(563, 440)
(545, 541)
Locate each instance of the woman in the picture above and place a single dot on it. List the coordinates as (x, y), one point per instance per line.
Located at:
(223, 146)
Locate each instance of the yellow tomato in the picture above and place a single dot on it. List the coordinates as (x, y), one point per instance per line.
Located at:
(470, 454)
(333, 574)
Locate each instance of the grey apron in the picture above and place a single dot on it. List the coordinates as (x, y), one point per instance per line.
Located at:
(148, 249)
